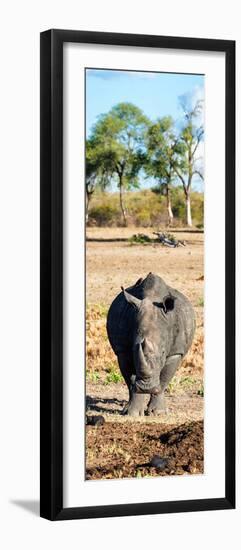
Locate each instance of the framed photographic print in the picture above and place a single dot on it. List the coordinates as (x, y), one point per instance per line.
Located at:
(137, 274)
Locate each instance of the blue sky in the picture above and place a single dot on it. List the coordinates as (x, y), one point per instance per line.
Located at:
(155, 93)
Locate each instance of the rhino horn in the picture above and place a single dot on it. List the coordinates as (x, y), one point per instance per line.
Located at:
(131, 299)
(144, 369)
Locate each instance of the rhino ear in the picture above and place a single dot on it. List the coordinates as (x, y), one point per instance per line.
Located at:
(168, 303)
(131, 299)
(139, 281)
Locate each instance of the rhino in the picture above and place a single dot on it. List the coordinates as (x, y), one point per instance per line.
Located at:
(150, 326)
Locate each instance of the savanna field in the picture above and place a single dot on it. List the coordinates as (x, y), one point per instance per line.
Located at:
(123, 446)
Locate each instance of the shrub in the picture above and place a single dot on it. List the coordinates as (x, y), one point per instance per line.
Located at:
(140, 238)
(144, 208)
(104, 214)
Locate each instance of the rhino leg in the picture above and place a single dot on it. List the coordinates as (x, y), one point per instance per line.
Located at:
(168, 371)
(156, 404)
(127, 369)
(137, 402)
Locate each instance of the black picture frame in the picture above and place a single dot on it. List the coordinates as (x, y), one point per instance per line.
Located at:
(51, 323)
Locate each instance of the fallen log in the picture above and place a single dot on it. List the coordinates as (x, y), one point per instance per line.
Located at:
(167, 241)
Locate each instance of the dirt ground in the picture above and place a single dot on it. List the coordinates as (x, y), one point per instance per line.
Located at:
(143, 450)
(124, 447)
(112, 264)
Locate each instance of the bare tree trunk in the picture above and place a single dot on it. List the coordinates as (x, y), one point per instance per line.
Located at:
(87, 203)
(188, 210)
(122, 205)
(88, 196)
(169, 206)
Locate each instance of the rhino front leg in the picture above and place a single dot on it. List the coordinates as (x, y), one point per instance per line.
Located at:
(137, 402)
(127, 369)
(156, 404)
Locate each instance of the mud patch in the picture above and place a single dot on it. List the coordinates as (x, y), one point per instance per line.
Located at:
(117, 450)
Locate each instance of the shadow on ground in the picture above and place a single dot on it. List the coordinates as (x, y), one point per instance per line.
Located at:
(107, 405)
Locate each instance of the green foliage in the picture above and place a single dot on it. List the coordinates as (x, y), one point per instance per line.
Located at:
(172, 385)
(92, 376)
(165, 151)
(177, 384)
(143, 218)
(145, 208)
(125, 143)
(178, 206)
(98, 169)
(184, 384)
(197, 202)
(104, 214)
(118, 137)
(140, 238)
(113, 378)
(113, 375)
(187, 382)
(117, 140)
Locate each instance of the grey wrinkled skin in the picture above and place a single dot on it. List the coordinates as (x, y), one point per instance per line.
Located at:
(150, 328)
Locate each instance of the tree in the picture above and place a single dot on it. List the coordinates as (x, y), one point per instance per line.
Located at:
(97, 171)
(118, 136)
(191, 136)
(164, 153)
(91, 175)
